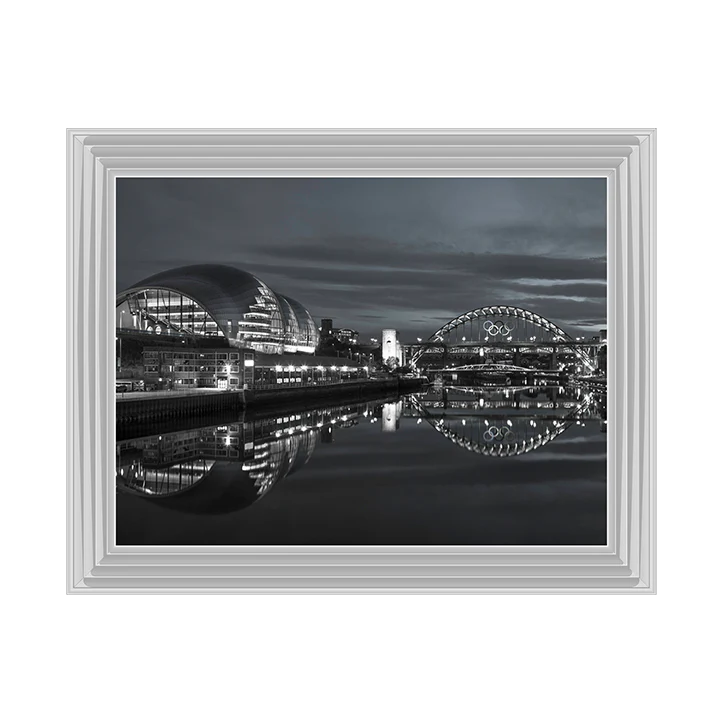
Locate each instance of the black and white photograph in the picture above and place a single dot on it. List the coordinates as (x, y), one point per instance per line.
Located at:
(361, 361)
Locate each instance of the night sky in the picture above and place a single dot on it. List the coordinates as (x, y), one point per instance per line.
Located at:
(403, 253)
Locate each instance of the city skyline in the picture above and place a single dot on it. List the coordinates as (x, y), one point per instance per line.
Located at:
(374, 253)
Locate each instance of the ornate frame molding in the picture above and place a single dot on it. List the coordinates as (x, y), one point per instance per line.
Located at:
(625, 157)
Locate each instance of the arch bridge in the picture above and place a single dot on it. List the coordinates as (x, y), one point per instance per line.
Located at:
(505, 328)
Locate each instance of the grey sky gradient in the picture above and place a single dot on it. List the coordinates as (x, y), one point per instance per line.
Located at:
(405, 253)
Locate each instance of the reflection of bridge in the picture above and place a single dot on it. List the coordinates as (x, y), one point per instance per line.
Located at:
(508, 331)
(472, 425)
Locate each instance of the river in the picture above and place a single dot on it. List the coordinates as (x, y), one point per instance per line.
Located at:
(451, 466)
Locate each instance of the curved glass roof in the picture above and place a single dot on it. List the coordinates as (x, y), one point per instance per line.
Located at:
(246, 310)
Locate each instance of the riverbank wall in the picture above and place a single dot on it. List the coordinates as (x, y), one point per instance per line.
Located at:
(156, 408)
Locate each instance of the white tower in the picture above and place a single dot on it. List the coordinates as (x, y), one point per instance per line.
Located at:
(390, 345)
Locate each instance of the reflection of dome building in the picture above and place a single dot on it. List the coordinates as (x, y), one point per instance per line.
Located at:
(203, 472)
(214, 301)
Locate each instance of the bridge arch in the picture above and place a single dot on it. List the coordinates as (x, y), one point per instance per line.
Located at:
(498, 323)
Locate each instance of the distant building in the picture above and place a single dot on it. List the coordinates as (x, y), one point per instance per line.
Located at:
(326, 328)
(347, 336)
(391, 347)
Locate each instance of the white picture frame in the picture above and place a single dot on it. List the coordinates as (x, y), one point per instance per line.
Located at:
(625, 157)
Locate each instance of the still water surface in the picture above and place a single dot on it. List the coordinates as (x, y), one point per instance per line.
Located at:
(453, 466)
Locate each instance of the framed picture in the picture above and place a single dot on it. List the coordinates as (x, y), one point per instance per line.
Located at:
(329, 361)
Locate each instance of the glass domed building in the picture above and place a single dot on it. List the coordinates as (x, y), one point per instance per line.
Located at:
(211, 300)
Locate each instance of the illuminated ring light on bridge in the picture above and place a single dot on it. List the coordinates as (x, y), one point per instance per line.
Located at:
(494, 328)
(513, 317)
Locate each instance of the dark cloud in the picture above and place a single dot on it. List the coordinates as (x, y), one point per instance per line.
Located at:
(371, 253)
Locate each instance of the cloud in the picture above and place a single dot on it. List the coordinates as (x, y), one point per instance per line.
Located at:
(382, 252)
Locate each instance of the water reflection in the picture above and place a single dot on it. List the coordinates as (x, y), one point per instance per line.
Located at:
(227, 467)
(505, 422)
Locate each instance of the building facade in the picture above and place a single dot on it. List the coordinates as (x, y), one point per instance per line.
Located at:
(327, 328)
(230, 368)
(391, 347)
(217, 302)
(346, 336)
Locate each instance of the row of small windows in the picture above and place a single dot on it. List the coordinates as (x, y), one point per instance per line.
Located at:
(190, 368)
(190, 355)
